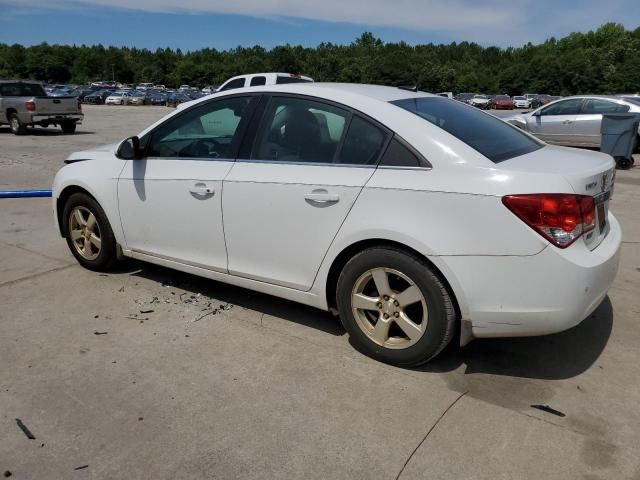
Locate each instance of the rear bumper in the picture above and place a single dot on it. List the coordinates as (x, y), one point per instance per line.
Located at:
(552, 291)
(56, 118)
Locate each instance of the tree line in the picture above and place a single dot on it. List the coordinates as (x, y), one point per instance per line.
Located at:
(606, 60)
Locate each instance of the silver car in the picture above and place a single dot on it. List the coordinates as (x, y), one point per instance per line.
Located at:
(573, 121)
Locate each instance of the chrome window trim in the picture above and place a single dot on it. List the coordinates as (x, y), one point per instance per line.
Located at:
(313, 164)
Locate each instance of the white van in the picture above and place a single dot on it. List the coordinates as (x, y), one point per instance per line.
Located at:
(259, 79)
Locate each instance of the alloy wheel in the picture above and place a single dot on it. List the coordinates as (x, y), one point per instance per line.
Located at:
(389, 308)
(85, 233)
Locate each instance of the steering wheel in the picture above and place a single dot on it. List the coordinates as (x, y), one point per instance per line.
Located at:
(202, 148)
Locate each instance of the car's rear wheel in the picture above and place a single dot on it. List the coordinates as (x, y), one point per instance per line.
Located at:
(17, 127)
(68, 127)
(394, 307)
(88, 233)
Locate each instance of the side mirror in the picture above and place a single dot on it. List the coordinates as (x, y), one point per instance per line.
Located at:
(537, 113)
(129, 149)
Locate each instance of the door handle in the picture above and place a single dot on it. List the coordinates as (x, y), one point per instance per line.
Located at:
(201, 190)
(321, 196)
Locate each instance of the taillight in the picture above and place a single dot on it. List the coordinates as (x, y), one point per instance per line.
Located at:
(558, 217)
(30, 106)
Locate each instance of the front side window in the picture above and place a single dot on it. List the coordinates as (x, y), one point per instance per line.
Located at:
(237, 83)
(299, 130)
(493, 138)
(565, 107)
(597, 106)
(206, 131)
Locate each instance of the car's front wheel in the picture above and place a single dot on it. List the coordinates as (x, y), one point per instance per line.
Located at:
(394, 307)
(88, 233)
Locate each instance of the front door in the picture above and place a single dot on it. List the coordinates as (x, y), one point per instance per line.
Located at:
(555, 122)
(589, 121)
(171, 201)
(284, 205)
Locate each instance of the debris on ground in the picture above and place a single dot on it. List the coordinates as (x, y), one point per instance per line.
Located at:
(121, 289)
(100, 333)
(81, 467)
(146, 311)
(548, 409)
(7, 473)
(25, 430)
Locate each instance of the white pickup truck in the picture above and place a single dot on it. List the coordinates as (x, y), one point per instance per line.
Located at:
(24, 104)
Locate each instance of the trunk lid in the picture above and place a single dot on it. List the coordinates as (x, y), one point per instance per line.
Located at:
(588, 172)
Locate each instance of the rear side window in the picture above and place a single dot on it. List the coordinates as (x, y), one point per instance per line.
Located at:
(257, 81)
(237, 83)
(362, 144)
(21, 90)
(493, 138)
(595, 106)
(398, 155)
(280, 80)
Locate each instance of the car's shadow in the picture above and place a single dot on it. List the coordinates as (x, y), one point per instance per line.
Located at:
(46, 132)
(552, 357)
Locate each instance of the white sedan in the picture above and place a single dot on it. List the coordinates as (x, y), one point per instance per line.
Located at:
(415, 217)
(521, 102)
(117, 98)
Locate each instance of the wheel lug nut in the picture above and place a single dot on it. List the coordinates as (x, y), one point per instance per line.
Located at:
(396, 314)
(379, 305)
(396, 303)
(386, 297)
(386, 315)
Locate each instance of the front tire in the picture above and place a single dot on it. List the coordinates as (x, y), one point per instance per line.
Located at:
(88, 233)
(394, 307)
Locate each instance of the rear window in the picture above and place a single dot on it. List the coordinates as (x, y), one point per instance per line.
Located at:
(493, 138)
(280, 80)
(20, 89)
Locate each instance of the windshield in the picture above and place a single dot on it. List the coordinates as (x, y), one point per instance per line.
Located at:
(20, 89)
(519, 98)
(493, 138)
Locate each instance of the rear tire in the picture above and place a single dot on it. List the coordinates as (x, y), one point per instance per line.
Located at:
(17, 127)
(88, 233)
(405, 320)
(68, 127)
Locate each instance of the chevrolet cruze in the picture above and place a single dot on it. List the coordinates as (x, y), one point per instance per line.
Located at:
(414, 217)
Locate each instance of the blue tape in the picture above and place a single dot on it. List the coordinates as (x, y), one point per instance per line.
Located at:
(24, 193)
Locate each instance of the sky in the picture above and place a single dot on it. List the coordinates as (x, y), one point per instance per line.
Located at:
(224, 24)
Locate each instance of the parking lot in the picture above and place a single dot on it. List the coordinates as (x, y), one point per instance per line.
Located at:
(123, 376)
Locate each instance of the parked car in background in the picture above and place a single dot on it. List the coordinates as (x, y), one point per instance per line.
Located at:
(480, 101)
(572, 121)
(176, 98)
(502, 102)
(539, 100)
(530, 96)
(144, 86)
(117, 98)
(98, 97)
(208, 90)
(521, 102)
(292, 207)
(26, 104)
(158, 98)
(261, 79)
(464, 97)
(183, 88)
(138, 98)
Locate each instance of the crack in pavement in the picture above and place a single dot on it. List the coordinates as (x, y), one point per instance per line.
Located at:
(28, 250)
(428, 433)
(35, 275)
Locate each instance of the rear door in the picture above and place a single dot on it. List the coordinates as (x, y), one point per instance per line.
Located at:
(555, 123)
(285, 201)
(589, 119)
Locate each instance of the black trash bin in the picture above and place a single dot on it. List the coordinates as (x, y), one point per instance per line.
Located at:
(619, 136)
